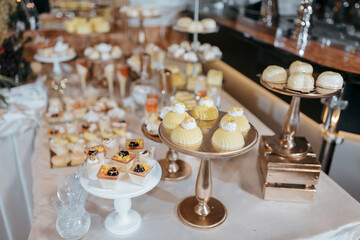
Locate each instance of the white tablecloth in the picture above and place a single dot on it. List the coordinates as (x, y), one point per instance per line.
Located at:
(333, 215)
(18, 127)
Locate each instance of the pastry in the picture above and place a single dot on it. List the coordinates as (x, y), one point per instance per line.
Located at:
(190, 56)
(80, 110)
(214, 77)
(228, 137)
(147, 155)
(89, 136)
(77, 147)
(330, 80)
(134, 144)
(124, 159)
(104, 124)
(300, 67)
(187, 133)
(178, 80)
(184, 22)
(53, 117)
(109, 176)
(152, 123)
(59, 161)
(111, 146)
(274, 74)
(101, 26)
(237, 115)
(139, 173)
(205, 110)
(195, 26)
(208, 24)
(89, 127)
(300, 82)
(97, 151)
(173, 69)
(121, 132)
(84, 28)
(116, 114)
(175, 116)
(116, 52)
(190, 69)
(77, 158)
(59, 146)
(93, 165)
(91, 117)
(56, 131)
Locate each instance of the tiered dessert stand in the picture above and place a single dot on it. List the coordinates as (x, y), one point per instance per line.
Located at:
(203, 211)
(55, 61)
(173, 168)
(141, 39)
(195, 37)
(123, 220)
(288, 167)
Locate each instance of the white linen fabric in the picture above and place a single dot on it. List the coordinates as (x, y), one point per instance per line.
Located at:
(18, 127)
(333, 215)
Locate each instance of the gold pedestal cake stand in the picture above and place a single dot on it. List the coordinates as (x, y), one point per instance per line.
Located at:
(203, 211)
(287, 165)
(173, 168)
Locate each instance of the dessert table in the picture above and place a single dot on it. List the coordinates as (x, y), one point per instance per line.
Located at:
(333, 215)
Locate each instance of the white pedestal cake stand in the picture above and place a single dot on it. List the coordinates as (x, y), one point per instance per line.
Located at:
(55, 61)
(123, 220)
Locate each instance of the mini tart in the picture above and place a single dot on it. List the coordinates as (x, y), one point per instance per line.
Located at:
(175, 116)
(301, 82)
(330, 80)
(77, 158)
(94, 151)
(119, 124)
(89, 127)
(124, 159)
(139, 173)
(236, 114)
(274, 74)
(227, 137)
(187, 133)
(59, 161)
(205, 110)
(56, 131)
(53, 117)
(109, 176)
(134, 144)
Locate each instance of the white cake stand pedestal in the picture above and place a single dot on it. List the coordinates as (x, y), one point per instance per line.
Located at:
(55, 61)
(123, 220)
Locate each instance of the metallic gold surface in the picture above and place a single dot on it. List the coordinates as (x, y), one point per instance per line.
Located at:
(173, 169)
(206, 149)
(316, 93)
(202, 211)
(147, 134)
(287, 179)
(190, 218)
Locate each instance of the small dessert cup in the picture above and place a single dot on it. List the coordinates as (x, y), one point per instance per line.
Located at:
(109, 176)
(93, 165)
(134, 144)
(124, 159)
(139, 173)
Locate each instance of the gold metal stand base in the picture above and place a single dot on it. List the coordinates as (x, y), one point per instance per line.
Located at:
(190, 218)
(182, 173)
(285, 178)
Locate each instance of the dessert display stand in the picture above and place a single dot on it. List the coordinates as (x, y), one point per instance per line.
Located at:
(123, 220)
(141, 39)
(203, 211)
(173, 168)
(195, 36)
(55, 61)
(287, 165)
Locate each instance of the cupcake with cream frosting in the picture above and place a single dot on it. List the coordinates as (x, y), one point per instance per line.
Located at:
(205, 110)
(237, 115)
(228, 137)
(187, 133)
(175, 116)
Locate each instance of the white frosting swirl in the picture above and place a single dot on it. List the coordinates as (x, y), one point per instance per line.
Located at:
(91, 116)
(145, 153)
(189, 123)
(236, 111)
(60, 47)
(229, 126)
(206, 101)
(103, 48)
(178, 108)
(164, 111)
(92, 127)
(117, 113)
